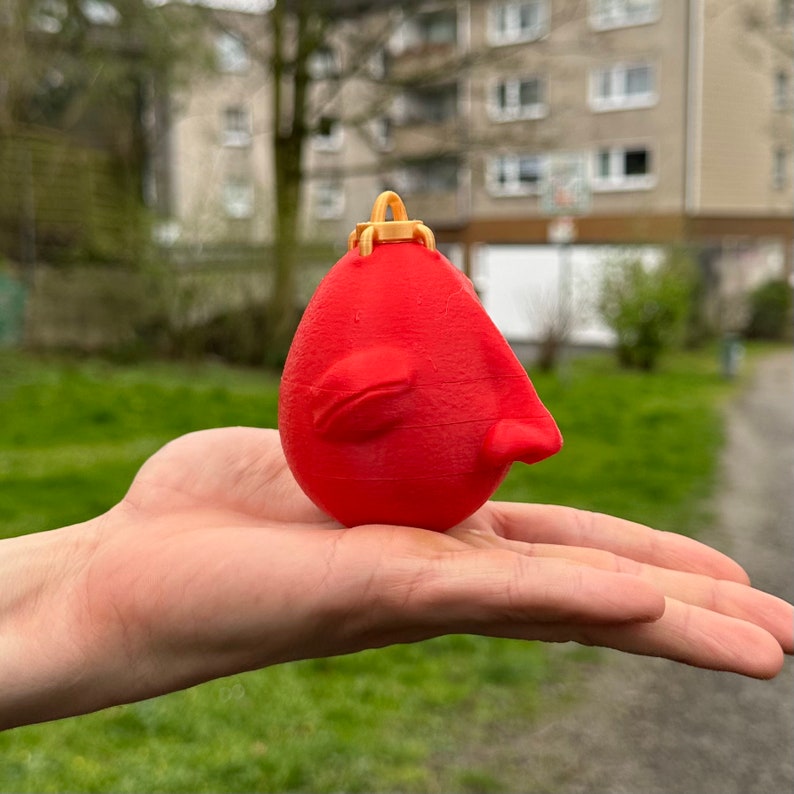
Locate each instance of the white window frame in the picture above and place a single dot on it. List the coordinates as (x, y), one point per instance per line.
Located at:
(329, 199)
(617, 179)
(332, 142)
(619, 97)
(236, 126)
(505, 26)
(231, 54)
(100, 12)
(503, 174)
(48, 16)
(610, 14)
(238, 198)
(512, 109)
(325, 63)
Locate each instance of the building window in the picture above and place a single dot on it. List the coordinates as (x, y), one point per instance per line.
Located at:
(433, 175)
(236, 126)
(100, 12)
(329, 199)
(779, 168)
(782, 90)
(238, 197)
(378, 64)
(438, 27)
(429, 29)
(622, 86)
(324, 64)
(518, 99)
(514, 174)
(46, 16)
(623, 168)
(231, 54)
(328, 137)
(430, 105)
(383, 133)
(606, 14)
(49, 16)
(510, 23)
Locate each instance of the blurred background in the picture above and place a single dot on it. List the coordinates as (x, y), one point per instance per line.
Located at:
(615, 176)
(174, 176)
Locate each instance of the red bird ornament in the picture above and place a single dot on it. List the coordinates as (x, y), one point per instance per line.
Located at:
(400, 401)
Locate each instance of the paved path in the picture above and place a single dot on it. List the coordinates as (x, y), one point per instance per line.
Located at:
(648, 726)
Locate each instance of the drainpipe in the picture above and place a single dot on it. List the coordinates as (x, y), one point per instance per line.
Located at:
(694, 109)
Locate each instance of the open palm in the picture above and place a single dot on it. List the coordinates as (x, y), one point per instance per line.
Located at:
(215, 562)
(235, 532)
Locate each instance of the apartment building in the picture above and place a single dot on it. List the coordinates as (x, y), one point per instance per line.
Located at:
(217, 148)
(220, 143)
(678, 113)
(648, 121)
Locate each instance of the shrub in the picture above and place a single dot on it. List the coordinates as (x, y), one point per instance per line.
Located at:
(237, 336)
(647, 304)
(770, 311)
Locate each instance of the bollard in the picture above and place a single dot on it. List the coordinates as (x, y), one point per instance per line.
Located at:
(730, 355)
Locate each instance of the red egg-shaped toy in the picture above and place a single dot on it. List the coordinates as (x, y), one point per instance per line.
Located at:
(401, 402)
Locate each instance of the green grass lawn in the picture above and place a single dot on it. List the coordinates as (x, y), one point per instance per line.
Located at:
(72, 435)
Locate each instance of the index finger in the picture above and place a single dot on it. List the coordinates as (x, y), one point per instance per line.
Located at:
(573, 527)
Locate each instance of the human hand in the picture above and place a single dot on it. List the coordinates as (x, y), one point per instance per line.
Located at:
(215, 562)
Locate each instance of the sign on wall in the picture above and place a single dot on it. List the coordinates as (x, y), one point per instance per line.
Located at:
(566, 189)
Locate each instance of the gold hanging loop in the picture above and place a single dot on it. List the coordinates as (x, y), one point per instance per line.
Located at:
(379, 230)
(385, 200)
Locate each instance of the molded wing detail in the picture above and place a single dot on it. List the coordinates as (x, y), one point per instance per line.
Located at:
(363, 394)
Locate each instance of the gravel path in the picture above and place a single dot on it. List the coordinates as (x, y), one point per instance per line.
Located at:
(648, 726)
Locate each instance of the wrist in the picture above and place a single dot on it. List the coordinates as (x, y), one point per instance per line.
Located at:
(45, 649)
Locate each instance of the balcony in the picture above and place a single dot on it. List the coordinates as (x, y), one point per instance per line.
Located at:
(425, 44)
(431, 30)
(429, 186)
(426, 119)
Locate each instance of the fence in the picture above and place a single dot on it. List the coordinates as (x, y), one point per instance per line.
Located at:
(59, 199)
(96, 307)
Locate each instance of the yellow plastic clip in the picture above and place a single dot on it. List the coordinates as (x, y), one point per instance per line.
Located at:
(379, 230)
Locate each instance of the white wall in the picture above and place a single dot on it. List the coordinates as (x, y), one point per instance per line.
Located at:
(523, 286)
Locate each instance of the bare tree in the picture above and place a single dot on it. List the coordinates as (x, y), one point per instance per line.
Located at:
(299, 38)
(299, 35)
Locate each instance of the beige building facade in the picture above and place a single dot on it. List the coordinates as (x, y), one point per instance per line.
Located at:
(648, 121)
(679, 112)
(220, 135)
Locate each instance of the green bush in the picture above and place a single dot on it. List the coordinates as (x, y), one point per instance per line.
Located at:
(770, 311)
(236, 336)
(647, 304)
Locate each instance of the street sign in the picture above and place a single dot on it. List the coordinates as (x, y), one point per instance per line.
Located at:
(566, 189)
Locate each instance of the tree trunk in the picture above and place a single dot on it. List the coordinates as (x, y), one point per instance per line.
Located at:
(290, 68)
